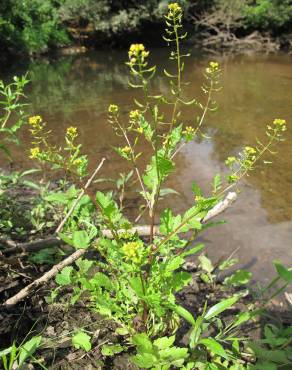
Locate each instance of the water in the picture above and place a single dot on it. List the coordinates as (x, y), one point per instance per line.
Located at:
(77, 90)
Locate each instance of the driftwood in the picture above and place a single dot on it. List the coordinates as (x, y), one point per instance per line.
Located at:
(37, 245)
(219, 26)
(219, 208)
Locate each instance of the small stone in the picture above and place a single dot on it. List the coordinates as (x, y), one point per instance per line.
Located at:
(190, 266)
(50, 331)
(194, 286)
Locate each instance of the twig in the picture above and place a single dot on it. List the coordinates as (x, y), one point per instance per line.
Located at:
(45, 278)
(60, 227)
(221, 206)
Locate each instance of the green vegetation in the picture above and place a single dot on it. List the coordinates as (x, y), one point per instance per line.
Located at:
(37, 26)
(133, 278)
(269, 14)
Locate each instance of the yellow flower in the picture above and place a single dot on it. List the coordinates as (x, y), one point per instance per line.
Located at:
(214, 66)
(113, 109)
(230, 161)
(134, 115)
(280, 124)
(34, 152)
(71, 131)
(250, 150)
(35, 120)
(77, 161)
(126, 149)
(140, 130)
(137, 53)
(136, 48)
(189, 130)
(174, 8)
(131, 251)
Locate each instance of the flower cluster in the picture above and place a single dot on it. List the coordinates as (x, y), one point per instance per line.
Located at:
(134, 119)
(212, 68)
(189, 133)
(230, 161)
(35, 121)
(280, 124)
(71, 133)
(174, 9)
(113, 109)
(126, 149)
(37, 127)
(34, 152)
(132, 251)
(137, 54)
(134, 116)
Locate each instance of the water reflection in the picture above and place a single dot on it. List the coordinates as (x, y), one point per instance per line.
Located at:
(77, 90)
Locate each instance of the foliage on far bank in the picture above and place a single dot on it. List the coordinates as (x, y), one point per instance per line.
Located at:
(37, 26)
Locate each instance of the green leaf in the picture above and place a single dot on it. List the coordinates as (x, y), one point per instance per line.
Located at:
(173, 353)
(143, 343)
(44, 256)
(180, 279)
(228, 263)
(111, 350)
(196, 332)
(107, 204)
(284, 273)
(136, 285)
(61, 197)
(80, 239)
(220, 307)
(81, 340)
(240, 277)
(169, 222)
(193, 218)
(101, 280)
(241, 318)
(122, 331)
(181, 311)
(5, 351)
(193, 250)
(196, 189)
(64, 277)
(206, 264)
(167, 191)
(83, 265)
(144, 360)
(159, 168)
(174, 263)
(214, 347)
(277, 356)
(28, 348)
(164, 342)
(217, 183)
(265, 366)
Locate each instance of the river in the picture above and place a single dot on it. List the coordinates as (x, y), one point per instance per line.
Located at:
(76, 90)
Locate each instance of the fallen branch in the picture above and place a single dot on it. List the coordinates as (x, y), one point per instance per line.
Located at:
(45, 278)
(219, 208)
(37, 245)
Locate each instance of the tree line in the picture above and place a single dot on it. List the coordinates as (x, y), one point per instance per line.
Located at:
(37, 26)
